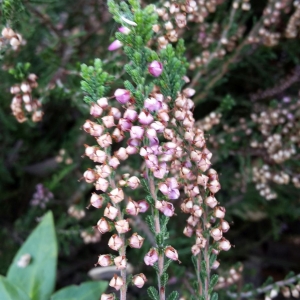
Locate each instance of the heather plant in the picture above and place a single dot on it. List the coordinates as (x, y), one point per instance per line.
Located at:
(163, 112)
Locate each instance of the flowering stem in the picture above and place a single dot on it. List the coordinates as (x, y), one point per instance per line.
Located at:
(206, 257)
(161, 288)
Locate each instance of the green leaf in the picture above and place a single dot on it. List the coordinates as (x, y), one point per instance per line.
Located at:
(38, 278)
(173, 296)
(214, 296)
(213, 281)
(9, 291)
(153, 293)
(86, 291)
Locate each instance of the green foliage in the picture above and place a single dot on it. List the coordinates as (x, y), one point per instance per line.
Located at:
(95, 81)
(10, 291)
(20, 72)
(153, 293)
(10, 10)
(173, 296)
(38, 278)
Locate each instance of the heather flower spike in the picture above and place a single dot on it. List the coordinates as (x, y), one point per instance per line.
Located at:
(155, 68)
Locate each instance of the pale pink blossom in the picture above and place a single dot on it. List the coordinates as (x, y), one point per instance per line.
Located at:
(145, 118)
(104, 140)
(120, 262)
(103, 226)
(116, 282)
(136, 241)
(110, 212)
(125, 124)
(108, 121)
(143, 205)
(152, 104)
(171, 253)
(115, 242)
(101, 184)
(116, 195)
(130, 114)
(133, 182)
(96, 200)
(122, 96)
(115, 45)
(137, 132)
(155, 68)
(122, 226)
(139, 280)
(105, 260)
(151, 257)
(132, 208)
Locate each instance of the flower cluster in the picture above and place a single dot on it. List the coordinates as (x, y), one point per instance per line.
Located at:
(41, 197)
(10, 37)
(23, 102)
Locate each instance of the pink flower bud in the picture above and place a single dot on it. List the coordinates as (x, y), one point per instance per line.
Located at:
(216, 234)
(103, 226)
(204, 164)
(100, 156)
(202, 180)
(139, 280)
(116, 195)
(192, 220)
(15, 89)
(158, 126)
(163, 116)
(224, 245)
(171, 253)
(122, 226)
(96, 200)
(188, 231)
(95, 110)
(197, 211)
(151, 257)
(224, 226)
(145, 118)
(151, 133)
(122, 96)
(133, 182)
(196, 249)
(166, 208)
(143, 205)
(116, 282)
(132, 208)
(155, 68)
(114, 162)
(115, 242)
(137, 132)
(219, 212)
(152, 104)
(115, 45)
(103, 171)
(25, 87)
(101, 184)
(125, 124)
(212, 174)
(211, 201)
(121, 154)
(136, 241)
(7, 33)
(108, 121)
(105, 260)
(102, 102)
(214, 186)
(120, 262)
(131, 150)
(130, 114)
(188, 92)
(201, 241)
(107, 297)
(110, 212)
(215, 265)
(104, 140)
(124, 30)
(90, 176)
(117, 135)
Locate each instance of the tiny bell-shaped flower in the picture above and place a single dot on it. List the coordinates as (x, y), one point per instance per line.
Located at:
(103, 226)
(219, 212)
(95, 110)
(139, 280)
(107, 297)
(116, 195)
(188, 231)
(115, 45)
(211, 201)
(136, 241)
(122, 96)
(171, 253)
(110, 212)
(133, 182)
(90, 176)
(214, 186)
(216, 234)
(195, 249)
(96, 200)
(151, 257)
(122, 226)
(215, 265)
(155, 68)
(116, 282)
(224, 226)
(120, 262)
(115, 242)
(224, 244)
(105, 260)
(143, 205)
(132, 208)
(124, 30)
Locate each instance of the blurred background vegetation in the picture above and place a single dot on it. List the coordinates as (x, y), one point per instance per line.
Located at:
(247, 84)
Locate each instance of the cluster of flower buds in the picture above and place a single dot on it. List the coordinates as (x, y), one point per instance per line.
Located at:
(209, 121)
(23, 102)
(41, 196)
(91, 237)
(10, 37)
(76, 212)
(232, 276)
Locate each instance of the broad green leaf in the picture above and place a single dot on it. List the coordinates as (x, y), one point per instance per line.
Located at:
(9, 291)
(86, 291)
(37, 279)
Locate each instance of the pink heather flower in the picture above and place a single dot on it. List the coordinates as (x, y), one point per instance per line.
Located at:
(120, 262)
(102, 102)
(103, 171)
(108, 121)
(224, 244)
(151, 257)
(219, 212)
(134, 142)
(133, 182)
(143, 205)
(115, 112)
(103, 226)
(137, 132)
(215, 265)
(224, 226)
(115, 45)
(96, 200)
(131, 150)
(211, 201)
(195, 249)
(171, 253)
(130, 114)
(117, 135)
(204, 164)
(152, 104)
(125, 124)
(216, 234)
(95, 110)
(151, 161)
(114, 162)
(115, 242)
(122, 96)
(145, 118)
(136, 241)
(116, 282)
(188, 231)
(104, 140)
(202, 180)
(151, 133)
(214, 186)
(188, 92)
(90, 176)
(170, 188)
(101, 184)
(107, 297)
(158, 126)
(160, 171)
(139, 280)
(197, 211)
(155, 68)
(110, 212)
(104, 260)
(116, 195)
(124, 30)
(121, 154)
(100, 156)
(132, 208)
(122, 226)
(165, 207)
